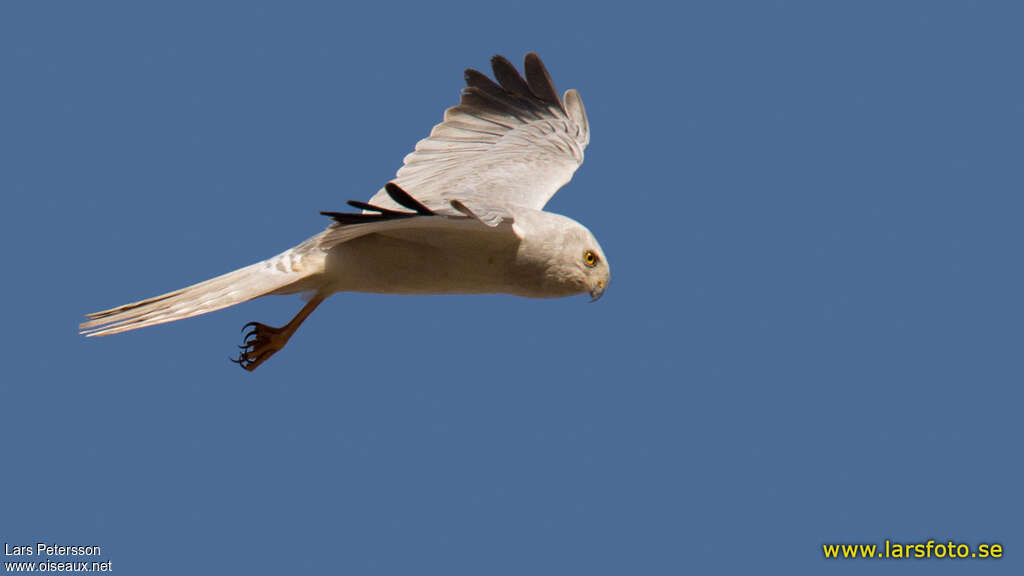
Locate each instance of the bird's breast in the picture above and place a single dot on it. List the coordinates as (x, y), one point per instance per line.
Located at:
(456, 264)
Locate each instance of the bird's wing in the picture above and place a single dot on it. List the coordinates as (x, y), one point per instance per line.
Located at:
(376, 219)
(506, 145)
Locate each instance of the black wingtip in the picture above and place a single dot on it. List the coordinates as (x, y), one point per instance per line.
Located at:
(539, 80)
(405, 199)
(474, 77)
(374, 213)
(374, 208)
(345, 219)
(507, 75)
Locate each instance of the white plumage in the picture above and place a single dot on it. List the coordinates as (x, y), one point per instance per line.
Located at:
(463, 215)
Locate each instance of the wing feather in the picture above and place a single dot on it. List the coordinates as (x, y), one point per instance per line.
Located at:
(508, 143)
(539, 80)
(509, 77)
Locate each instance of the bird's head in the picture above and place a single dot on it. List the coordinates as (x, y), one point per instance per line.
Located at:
(569, 256)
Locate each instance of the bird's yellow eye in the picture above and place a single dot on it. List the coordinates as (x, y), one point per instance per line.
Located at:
(589, 258)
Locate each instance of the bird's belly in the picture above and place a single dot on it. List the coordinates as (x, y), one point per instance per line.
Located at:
(387, 265)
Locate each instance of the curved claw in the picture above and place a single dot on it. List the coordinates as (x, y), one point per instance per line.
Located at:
(244, 361)
(257, 360)
(250, 340)
(249, 363)
(259, 343)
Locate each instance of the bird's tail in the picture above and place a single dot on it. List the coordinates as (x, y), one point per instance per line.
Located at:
(282, 274)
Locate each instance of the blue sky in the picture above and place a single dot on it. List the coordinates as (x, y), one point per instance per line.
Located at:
(813, 332)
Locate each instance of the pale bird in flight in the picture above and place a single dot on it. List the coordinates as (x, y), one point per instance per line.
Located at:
(464, 215)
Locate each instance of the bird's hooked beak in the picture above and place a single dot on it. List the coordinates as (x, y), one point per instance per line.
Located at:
(598, 290)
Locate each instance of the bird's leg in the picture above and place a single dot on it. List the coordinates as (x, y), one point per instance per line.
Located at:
(262, 341)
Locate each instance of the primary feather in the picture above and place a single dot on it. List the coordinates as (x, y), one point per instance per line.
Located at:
(506, 145)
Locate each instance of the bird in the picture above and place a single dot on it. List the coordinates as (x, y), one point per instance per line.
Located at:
(463, 215)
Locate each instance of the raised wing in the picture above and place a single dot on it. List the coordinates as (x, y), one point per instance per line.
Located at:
(507, 144)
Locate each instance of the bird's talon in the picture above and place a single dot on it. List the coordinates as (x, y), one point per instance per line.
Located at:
(259, 342)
